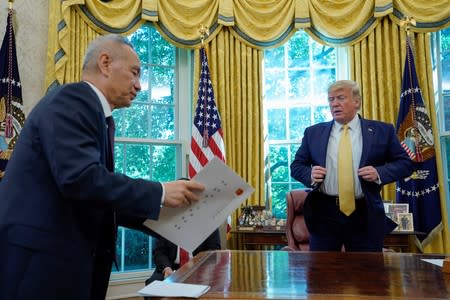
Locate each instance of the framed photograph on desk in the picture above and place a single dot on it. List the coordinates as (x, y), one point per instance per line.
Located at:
(395, 208)
(405, 222)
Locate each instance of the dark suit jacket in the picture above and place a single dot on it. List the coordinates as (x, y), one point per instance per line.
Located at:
(380, 149)
(57, 203)
(165, 253)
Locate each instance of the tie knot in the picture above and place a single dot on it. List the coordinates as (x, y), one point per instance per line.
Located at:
(345, 127)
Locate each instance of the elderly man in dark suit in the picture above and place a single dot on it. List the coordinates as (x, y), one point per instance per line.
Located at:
(348, 213)
(60, 201)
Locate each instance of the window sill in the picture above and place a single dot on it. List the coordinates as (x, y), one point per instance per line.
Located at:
(123, 286)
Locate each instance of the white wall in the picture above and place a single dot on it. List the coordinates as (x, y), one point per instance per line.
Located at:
(30, 28)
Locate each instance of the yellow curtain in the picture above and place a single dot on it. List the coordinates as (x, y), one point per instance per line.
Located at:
(65, 50)
(376, 63)
(239, 101)
(238, 28)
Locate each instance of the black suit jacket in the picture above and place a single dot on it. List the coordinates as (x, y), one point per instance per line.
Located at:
(57, 201)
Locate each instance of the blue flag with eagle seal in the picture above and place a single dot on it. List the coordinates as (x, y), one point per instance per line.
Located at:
(414, 129)
(12, 116)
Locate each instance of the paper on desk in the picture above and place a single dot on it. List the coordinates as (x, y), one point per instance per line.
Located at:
(171, 289)
(437, 262)
(189, 226)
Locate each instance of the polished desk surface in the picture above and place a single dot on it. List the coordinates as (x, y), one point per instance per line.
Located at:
(234, 274)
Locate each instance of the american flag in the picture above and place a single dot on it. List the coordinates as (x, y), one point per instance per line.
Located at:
(12, 117)
(414, 130)
(207, 135)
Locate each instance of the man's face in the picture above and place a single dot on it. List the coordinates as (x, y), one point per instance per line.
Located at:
(343, 105)
(124, 78)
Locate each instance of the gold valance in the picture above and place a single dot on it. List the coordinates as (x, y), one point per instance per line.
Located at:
(260, 23)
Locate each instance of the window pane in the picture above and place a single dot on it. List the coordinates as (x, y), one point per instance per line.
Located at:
(447, 148)
(137, 254)
(298, 55)
(274, 58)
(119, 152)
(279, 191)
(445, 55)
(446, 101)
(163, 122)
(161, 52)
(137, 161)
(132, 121)
(323, 55)
(143, 95)
(322, 79)
(294, 148)
(275, 85)
(162, 83)
(321, 114)
(299, 85)
(164, 160)
(279, 168)
(299, 119)
(276, 119)
(140, 42)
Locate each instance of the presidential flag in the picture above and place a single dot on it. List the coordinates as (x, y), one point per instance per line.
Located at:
(414, 130)
(207, 135)
(12, 117)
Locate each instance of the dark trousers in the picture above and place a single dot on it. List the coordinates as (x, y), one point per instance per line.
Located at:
(333, 229)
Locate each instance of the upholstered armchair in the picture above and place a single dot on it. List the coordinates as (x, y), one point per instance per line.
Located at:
(296, 232)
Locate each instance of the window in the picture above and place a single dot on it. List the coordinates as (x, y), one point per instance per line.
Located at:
(296, 77)
(441, 79)
(150, 141)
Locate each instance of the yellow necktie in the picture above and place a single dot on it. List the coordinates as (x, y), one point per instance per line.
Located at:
(345, 174)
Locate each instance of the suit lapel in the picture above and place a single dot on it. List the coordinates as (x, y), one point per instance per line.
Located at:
(368, 133)
(323, 136)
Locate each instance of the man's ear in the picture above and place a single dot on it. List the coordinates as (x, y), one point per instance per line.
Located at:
(104, 62)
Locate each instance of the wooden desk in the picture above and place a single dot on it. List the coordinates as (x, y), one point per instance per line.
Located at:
(258, 239)
(315, 275)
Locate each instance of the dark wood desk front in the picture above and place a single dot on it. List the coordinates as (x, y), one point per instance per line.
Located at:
(257, 239)
(315, 275)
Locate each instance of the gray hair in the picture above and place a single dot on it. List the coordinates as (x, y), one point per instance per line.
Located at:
(103, 43)
(356, 91)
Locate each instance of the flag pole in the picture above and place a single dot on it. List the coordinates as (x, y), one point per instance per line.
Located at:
(204, 32)
(406, 23)
(414, 128)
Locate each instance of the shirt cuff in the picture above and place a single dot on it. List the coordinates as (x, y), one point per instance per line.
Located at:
(163, 195)
(378, 178)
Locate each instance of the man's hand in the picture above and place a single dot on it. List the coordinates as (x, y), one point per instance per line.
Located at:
(182, 193)
(318, 174)
(368, 173)
(167, 272)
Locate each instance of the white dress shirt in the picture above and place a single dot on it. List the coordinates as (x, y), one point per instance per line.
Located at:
(330, 184)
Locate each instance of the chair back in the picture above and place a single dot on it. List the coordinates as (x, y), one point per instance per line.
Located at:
(297, 233)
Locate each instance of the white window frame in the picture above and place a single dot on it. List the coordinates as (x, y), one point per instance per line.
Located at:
(126, 284)
(439, 105)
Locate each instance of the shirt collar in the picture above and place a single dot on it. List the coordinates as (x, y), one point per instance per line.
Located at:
(353, 124)
(105, 105)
